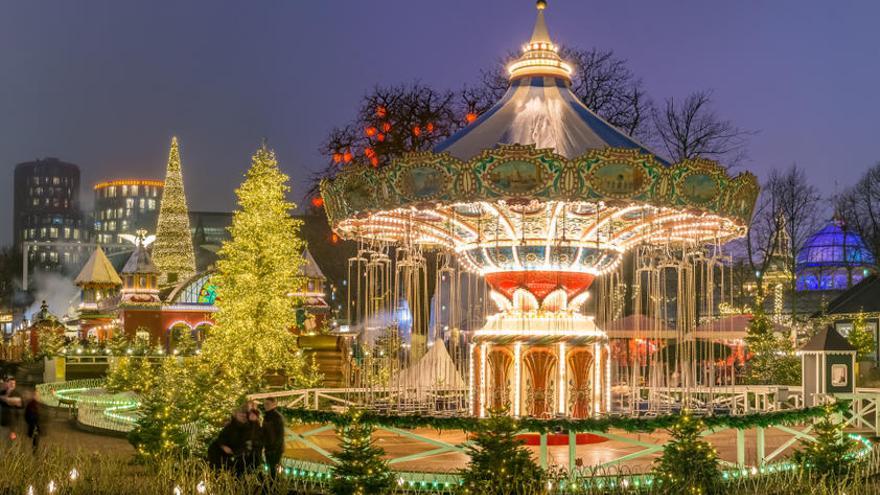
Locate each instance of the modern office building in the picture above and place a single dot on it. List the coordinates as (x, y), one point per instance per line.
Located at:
(47, 219)
(124, 207)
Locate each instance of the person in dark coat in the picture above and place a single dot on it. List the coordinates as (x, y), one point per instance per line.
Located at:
(253, 457)
(228, 449)
(33, 419)
(273, 435)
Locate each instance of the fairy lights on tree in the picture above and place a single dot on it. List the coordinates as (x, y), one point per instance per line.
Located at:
(499, 463)
(173, 249)
(689, 464)
(832, 453)
(257, 271)
(361, 469)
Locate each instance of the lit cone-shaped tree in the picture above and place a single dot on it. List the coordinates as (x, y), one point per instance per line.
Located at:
(257, 271)
(361, 469)
(173, 248)
(772, 358)
(689, 464)
(499, 463)
(832, 453)
(166, 409)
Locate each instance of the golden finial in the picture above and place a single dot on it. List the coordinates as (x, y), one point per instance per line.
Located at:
(541, 4)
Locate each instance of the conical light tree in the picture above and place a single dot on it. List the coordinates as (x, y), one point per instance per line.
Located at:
(257, 271)
(173, 248)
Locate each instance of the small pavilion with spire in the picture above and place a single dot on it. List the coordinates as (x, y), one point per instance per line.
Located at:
(99, 286)
(312, 308)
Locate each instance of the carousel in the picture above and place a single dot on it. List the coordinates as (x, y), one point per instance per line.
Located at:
(564, 223)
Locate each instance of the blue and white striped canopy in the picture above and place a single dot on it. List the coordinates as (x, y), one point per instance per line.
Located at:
(543, 111)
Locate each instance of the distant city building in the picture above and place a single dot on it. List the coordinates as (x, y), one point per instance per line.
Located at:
(47, 215)
(210, 229)
(122, 207)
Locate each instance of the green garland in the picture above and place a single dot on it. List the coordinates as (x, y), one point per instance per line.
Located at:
(603, 424)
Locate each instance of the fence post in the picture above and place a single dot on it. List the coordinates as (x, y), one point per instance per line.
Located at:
(759, 441)
(543, 452)
(740, 447)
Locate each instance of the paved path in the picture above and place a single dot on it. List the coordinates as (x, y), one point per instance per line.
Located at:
(61, 431)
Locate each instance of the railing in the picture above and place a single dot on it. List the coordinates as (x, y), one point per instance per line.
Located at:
(64, 394)
(94, 407)
(433, 401)
(736, 400)
(118, 418)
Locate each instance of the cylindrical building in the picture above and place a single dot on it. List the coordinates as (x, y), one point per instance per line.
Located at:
(124, 207)
(46, 213)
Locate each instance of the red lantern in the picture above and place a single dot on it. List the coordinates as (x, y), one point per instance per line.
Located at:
(381, 111)
(430, 127)
(369, 152)
(417, 131)
(470, 117)
(334, 239)
(337, 157)
(370, 131)
(386, 126)
(374, 162)
(347, 157)
(317, 201)
(380, 137)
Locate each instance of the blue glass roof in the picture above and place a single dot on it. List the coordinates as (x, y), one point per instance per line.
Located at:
(833, 246)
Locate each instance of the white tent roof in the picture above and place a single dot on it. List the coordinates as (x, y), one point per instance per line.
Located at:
(435, 370)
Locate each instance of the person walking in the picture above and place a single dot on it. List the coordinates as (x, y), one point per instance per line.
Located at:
(273, 435)
(33, 419)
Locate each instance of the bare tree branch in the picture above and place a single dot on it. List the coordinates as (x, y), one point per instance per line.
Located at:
(692, 129)
(859, 206)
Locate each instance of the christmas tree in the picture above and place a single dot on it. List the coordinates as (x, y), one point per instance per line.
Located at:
(118, 343)
(258, 269)
(167, 409)
(689, 464)
(772, 358)
(361, 469)
(499, 463)
(861, 338)
(832, 453)
(173, 249)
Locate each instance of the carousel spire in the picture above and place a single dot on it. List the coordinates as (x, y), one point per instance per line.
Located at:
(540, 56)
(540, 33)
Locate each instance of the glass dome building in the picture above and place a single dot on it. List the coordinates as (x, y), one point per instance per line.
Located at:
(833, 258)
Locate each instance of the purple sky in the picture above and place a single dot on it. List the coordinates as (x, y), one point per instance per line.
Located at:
(105, 84)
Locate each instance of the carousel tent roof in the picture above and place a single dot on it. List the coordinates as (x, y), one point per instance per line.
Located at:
(434, 370)
(828, 339)
(98, 270)
(539, 108)
(140, 262)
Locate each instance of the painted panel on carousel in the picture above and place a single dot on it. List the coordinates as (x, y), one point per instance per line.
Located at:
(698, 188)
(358, 193)
(422, 182)
(515, 177)
(619, 179)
